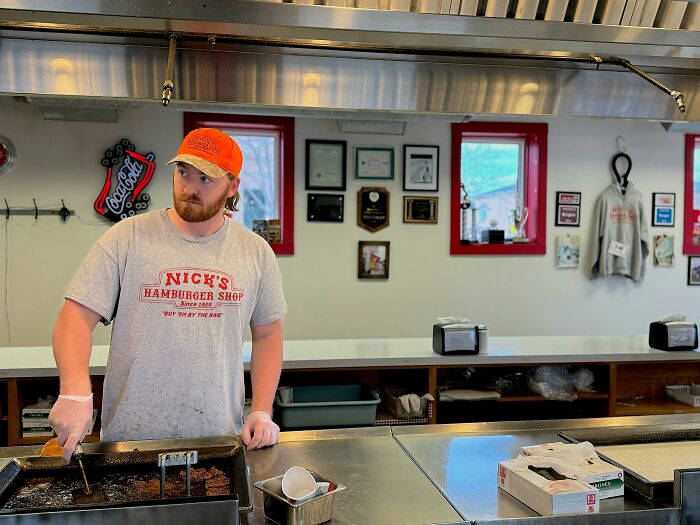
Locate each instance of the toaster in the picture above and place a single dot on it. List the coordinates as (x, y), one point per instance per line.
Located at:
(460, 338)
(673, 335)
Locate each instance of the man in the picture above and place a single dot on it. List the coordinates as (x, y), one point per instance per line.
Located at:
(182, 285)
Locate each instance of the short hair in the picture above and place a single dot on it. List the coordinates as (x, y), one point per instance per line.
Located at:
(231, 202)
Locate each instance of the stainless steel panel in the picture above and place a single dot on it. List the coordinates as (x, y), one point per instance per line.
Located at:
(383, 485)
(218, 512)
(670, 516)
(315, 23)
(686, 490)
(464, 468)
(132, 75)
(551, 426)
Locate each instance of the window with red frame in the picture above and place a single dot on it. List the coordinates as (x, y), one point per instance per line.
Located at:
(691, 223)
(267, 176)
(501, 166)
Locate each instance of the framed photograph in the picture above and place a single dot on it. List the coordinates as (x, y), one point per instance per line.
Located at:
(568, 251)
(260, 227)
(373, 162)
(420, 168)
(373, 260)
(694, 270)
(663, 250)
(663, 209)
(325, 164)
(420, 210)
(568, 215)
(569, 197)
(324, 207)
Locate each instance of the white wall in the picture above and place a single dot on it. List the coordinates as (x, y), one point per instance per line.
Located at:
(514, 295)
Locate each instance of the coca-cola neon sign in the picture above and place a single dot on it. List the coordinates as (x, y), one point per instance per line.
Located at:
(128, 173)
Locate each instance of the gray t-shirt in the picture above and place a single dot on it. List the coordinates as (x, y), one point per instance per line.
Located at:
(175, 366)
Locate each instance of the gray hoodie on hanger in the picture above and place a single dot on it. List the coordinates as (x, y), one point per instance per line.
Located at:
(620, 218)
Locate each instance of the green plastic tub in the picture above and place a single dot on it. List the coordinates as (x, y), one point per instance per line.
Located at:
(325, 406)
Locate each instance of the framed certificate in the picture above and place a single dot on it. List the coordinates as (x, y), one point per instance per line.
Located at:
(420, 168)
(325, 207)
(420, 209)
(663, 207)
(372, 162)
(325, 164)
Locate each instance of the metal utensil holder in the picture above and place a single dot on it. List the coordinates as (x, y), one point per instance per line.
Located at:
(168, 459)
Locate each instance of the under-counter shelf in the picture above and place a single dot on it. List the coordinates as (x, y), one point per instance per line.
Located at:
(652, 406)
(580, 396)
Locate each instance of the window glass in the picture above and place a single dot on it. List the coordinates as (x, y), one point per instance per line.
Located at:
(259, 190)
(492, 173)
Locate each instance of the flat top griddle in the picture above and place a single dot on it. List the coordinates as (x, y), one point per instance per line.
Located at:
(654, 462)
(645, 453)
(45, 484)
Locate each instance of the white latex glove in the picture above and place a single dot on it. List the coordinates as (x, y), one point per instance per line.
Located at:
(259, 431)
(70, 418)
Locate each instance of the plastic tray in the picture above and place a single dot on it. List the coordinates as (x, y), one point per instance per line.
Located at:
(688, 394)
(326, 406)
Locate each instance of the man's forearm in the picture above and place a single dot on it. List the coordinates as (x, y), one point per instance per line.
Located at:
(265, 365)
(72, 346)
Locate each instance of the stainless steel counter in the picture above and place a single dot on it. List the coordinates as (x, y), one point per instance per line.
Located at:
(384, 487)
(437, 474)
(461, 460)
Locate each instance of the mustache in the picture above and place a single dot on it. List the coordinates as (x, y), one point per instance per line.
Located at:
(191, 198)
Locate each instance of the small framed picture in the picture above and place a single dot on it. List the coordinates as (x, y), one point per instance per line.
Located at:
(260, 227)
(569, 197)
(420, 210)
(663, 250)
(373, 260)
(568, 251)
(568, 215)
(568, 208)
(373, 162)
(663, 210)
(325, 164)
(325, 207)
(421, 168)
(694, 270)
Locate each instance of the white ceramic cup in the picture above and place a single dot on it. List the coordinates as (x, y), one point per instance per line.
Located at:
(298, 484)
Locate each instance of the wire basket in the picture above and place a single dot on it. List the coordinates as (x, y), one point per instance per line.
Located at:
(385, 416)
(688, 394)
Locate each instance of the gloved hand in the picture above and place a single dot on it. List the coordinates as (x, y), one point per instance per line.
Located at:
(70, 418)
(259, 430)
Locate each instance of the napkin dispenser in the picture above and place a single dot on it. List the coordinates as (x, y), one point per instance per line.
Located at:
(673, 335)
(459, 338)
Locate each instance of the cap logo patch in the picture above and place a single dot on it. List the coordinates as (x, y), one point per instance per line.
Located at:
(204, 144)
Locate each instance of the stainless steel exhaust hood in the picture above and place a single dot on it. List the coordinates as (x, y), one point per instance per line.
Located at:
(316, 60)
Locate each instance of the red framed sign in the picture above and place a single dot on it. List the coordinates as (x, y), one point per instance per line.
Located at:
(691, 215)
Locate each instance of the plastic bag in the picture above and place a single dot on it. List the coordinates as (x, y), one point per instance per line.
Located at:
(553, 382)
(513, 381)
(583, 380)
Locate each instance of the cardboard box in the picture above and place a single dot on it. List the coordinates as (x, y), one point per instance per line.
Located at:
(607, 478)
(545, 496)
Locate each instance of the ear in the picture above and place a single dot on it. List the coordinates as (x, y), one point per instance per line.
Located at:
(233, 186)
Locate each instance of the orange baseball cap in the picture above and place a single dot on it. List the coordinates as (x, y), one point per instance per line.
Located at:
(211, 151)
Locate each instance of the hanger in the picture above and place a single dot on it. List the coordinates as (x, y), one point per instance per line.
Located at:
(621, 178)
